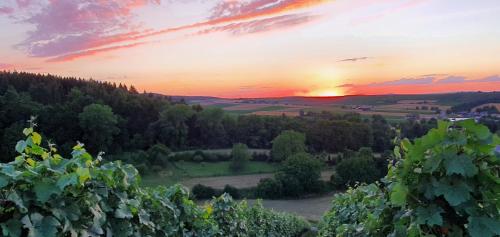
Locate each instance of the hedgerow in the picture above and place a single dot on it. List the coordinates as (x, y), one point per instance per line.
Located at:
(443, 184)
(45, 195)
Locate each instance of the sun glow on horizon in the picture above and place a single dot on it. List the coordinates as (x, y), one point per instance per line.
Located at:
(324, 93)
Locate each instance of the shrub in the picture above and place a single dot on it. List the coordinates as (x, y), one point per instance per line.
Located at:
(305, 169)
(360, 211)
(197, 158)
(357, 169)
(203, 192)
(264, 222)
(158, 155)
(181, 156)
(234, 192)
(240, 156)
(360, 167)
(269, 188)
(286, 144)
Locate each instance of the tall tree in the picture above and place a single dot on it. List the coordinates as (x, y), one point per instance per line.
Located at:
(288, 143)
(98, 123)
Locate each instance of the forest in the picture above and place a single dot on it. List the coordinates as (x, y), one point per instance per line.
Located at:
(116, 118)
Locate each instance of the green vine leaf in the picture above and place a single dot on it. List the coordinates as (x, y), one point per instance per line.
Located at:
(455, 193)
(430, 215)
(398, 194)
(483, 227)
(461, 165)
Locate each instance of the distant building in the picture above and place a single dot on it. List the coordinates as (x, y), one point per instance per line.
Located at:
(458, 119)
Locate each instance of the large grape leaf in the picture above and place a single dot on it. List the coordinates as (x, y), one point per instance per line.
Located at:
(482, 132)
(11, 228)
(430, 215)
(40, 226)
(454, 192)
(44, 189)
(67, 179)
(398, 194)
(432, 163)
(123, 211)
(483, 227)
(4, 181)
(20, 146)
(461, 164)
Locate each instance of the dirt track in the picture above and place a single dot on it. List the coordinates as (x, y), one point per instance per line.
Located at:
(239, 181)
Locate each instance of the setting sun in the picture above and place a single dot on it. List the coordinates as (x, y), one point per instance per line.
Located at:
(324, 93)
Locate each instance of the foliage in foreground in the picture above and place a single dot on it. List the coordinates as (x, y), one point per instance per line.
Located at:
(45, 195)
(445, 184)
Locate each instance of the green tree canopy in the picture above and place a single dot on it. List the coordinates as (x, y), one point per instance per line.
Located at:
(240, 156)
(99, 125)
(288, 143)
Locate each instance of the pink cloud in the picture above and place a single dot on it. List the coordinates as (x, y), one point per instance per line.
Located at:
(77, 27)
(262, 25)
(65, 26)
(23, 3)
(6, 10)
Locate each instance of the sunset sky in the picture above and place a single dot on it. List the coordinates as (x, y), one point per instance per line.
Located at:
(259, 48)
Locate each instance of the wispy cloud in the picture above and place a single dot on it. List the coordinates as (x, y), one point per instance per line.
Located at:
(353, 59)
(406, 81)
(494, 78)
(83, 28)
(262, 25)
(346, 85)
(451, 79)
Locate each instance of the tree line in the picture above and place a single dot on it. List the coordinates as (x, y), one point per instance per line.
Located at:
(116, 118)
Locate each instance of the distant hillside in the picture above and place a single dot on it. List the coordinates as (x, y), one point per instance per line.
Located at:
(453, 99)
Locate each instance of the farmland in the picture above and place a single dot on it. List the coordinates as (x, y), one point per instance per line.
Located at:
(395, 110)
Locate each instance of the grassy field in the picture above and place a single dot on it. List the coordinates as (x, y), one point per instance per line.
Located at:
(189, 170)
(226, 151)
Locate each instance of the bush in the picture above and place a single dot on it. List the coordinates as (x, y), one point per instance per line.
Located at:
(234, 192)
(300, 175)
(203, 192)
(360, 167)
(264, 222)
(286, 144)
(240, 156)
(158, 155)
(181, 156)
(360, 211)
(269, 188)
(305, 169)
(197, 158)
